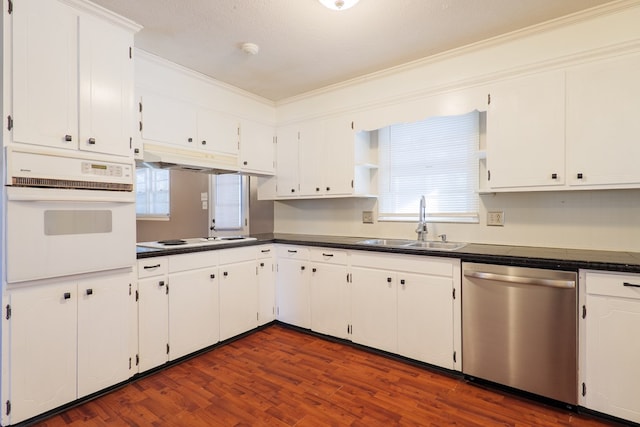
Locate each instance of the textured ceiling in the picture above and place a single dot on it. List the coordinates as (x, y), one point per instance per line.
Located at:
(304, 46)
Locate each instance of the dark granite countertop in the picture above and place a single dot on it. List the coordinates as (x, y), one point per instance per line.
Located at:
(524, 256)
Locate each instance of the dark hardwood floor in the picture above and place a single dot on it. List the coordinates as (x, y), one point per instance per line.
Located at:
(282, 377)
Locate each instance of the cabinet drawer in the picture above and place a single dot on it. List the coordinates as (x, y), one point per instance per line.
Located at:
(613, 284)
(193, 261)
(235, 255)
(292, 252)
(266, 251)
(330, 256)
(152, 267)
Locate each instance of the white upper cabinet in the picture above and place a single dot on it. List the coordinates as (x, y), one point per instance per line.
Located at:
(72, 79)
(218, 132)
(603, 130)
(525, 132)
(168, 120)
(45, 73)
(287, 161)
(257, 151)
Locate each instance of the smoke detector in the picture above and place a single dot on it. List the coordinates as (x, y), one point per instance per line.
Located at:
(250, 48)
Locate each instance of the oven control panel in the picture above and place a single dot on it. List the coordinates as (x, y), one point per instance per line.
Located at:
(104, 169)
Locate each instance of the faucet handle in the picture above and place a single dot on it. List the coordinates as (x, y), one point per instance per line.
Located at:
(443, 237)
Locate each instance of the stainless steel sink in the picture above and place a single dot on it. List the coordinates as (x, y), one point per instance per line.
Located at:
(413, 244)
(441, 246)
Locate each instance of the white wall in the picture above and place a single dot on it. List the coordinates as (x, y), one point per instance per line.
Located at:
(605, 219)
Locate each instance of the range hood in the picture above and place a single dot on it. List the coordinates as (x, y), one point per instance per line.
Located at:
(169, 157)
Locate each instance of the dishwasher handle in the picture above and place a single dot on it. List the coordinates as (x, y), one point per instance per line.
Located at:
(554, 283)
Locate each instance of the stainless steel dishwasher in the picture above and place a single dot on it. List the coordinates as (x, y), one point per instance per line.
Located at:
(519, 328)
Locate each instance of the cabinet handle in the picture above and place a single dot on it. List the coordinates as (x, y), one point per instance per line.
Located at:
(265, 251)
(245, 163)
(329, 255)
(317, 188)
(89, 291)
(225, 274)
(161, 283)
(328, 188)
(68, 138)
(388, 279)
(67, 295)
(204, 142)
(262, 264)
(579, 176)
(292, 251)
(630, 285)
(554, 176)
(402, 281)
(314, 269)
(91, 141)
(302, 268)
(212, 276)
(293, 190)
(148, 267)
(189, 139)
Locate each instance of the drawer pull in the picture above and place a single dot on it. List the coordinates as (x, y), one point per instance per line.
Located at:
(148, 267)
(265, 251)
(292, 251)
(329, 255)
(67, 295)
(630, 285)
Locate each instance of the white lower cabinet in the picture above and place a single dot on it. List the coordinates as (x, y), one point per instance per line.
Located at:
(193, 303)
(68, 338)
(266, 285)
(238, 292)
(292, 286)
(609, 344)
(153, 313)
(329, 292)
(407, 305)
(374, 308)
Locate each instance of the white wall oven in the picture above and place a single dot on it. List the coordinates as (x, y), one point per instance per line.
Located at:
(67, 213)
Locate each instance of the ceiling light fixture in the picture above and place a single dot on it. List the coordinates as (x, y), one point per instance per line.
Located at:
(339, 4)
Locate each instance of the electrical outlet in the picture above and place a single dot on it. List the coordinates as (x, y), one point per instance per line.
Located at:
(495, 218)
(367, 217)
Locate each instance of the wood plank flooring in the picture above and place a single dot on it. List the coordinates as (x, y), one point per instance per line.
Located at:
(282, 377)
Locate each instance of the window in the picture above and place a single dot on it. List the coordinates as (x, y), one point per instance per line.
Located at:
(437, 158)
(152, 193)
(229, 201)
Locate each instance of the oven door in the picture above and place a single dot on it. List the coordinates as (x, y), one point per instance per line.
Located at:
(59, 232)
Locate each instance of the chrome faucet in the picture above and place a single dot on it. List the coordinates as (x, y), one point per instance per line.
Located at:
(422, 221)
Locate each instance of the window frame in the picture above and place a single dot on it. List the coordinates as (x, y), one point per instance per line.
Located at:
(147, 216)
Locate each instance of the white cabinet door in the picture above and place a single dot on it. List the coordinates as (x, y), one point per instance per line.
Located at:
(287, 161)
(153, 322)
(339, 167)
(43, 336)
(610, 350)
(257, 148)
(603, 130)
(312, 159)
(425, 318)
(106, 87)
(266, 291)
(168, 120)
(103, 332)
(330, 303)
(292, 292)
(193, 311)
(374, 310)
(45, 74)
(238, 299)
(525, 132)
(218, 132)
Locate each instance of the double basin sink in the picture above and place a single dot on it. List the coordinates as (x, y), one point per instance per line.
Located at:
(413, 244)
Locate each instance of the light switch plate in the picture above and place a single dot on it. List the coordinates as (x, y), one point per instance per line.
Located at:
(495, 218)
(367, 217)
